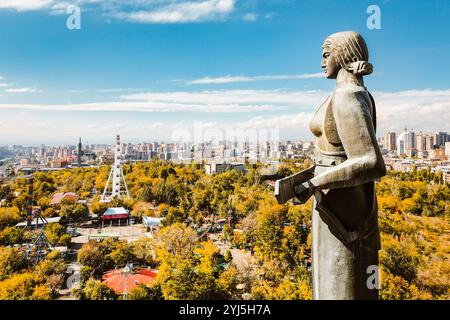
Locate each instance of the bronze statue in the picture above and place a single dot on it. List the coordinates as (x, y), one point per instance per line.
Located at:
(347, 160)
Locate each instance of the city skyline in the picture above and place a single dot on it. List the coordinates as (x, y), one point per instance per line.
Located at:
(251, 65)
(88, 141)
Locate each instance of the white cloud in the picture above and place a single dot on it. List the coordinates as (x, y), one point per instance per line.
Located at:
(118, 90)
(142, 107)
(243, 98)
(21, 90)
(233, 79)
(251, 16)
(140, 11)
(60, 7)
(426, 110)
(220, 80)
(77, 91)
(106, 127)
(2, 85)
(292, 121)
(25, 5)
(181, 12)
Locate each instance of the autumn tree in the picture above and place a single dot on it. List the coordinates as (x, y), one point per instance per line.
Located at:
(96, 290)
(143, 292)
(57, 235)
(11, 261)
(75, 212)
(24, 286)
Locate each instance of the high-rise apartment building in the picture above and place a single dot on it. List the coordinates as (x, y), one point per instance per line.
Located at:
(441, 138)
(389, 141)
(447, 149)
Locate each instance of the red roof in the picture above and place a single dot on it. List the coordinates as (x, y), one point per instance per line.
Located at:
(69, 196)
(123, 283)
(116, 213)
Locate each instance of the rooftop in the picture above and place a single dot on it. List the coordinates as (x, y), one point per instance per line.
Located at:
(124, 281)
(114, 211)
(33, 222)
(69, 196)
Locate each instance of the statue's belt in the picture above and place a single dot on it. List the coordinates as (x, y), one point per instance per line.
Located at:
(334, 223)
(285, 190)
(336, 227)
(331, 160)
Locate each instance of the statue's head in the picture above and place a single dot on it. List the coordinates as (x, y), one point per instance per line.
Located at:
(345, 50)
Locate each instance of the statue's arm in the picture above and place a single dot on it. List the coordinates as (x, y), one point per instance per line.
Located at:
(355, 128)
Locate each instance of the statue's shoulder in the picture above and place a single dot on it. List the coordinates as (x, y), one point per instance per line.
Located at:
(346, 99)
(344, 103)
(349, 92)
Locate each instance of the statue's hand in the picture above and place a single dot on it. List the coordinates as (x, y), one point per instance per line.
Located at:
(304, 191)
(284, 191)
(285, 188)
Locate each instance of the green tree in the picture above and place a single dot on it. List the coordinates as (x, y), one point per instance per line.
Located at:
(96, 255)
(144, 252)
(57, 235)
(74, 212)
(11, 236)
(96, 290)
(142, 292)
(11, 261)
(173, 215)
(176, 240)
(122, 254)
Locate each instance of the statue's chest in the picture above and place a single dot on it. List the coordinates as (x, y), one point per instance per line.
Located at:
(323, 126)
(316, 124)
(323, 122)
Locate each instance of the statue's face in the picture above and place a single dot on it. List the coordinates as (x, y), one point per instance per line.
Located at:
(329, 64)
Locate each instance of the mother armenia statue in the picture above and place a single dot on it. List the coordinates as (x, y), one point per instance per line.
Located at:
(347, 160)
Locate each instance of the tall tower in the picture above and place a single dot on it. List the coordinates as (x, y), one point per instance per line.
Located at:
(119, 186)
(80, 147)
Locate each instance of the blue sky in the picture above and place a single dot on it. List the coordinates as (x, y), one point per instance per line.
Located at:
(147, 68)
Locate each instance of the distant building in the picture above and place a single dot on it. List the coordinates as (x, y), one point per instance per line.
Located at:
(410, 140)
(437, 154)
(445, 172)
(59, 163)
(411, 152)
(68, 196)
(221, 167)
(80, 153)
(40, 223)
(447, 149)
(151, 222)
(125, 280)
(107, 158)
(441, 138)
(429, 142)
(389, 141)
(421, 141)
(401, 144)
(406, 141)
(117, 215)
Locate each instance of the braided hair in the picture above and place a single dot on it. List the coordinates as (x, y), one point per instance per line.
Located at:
(350, 51)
